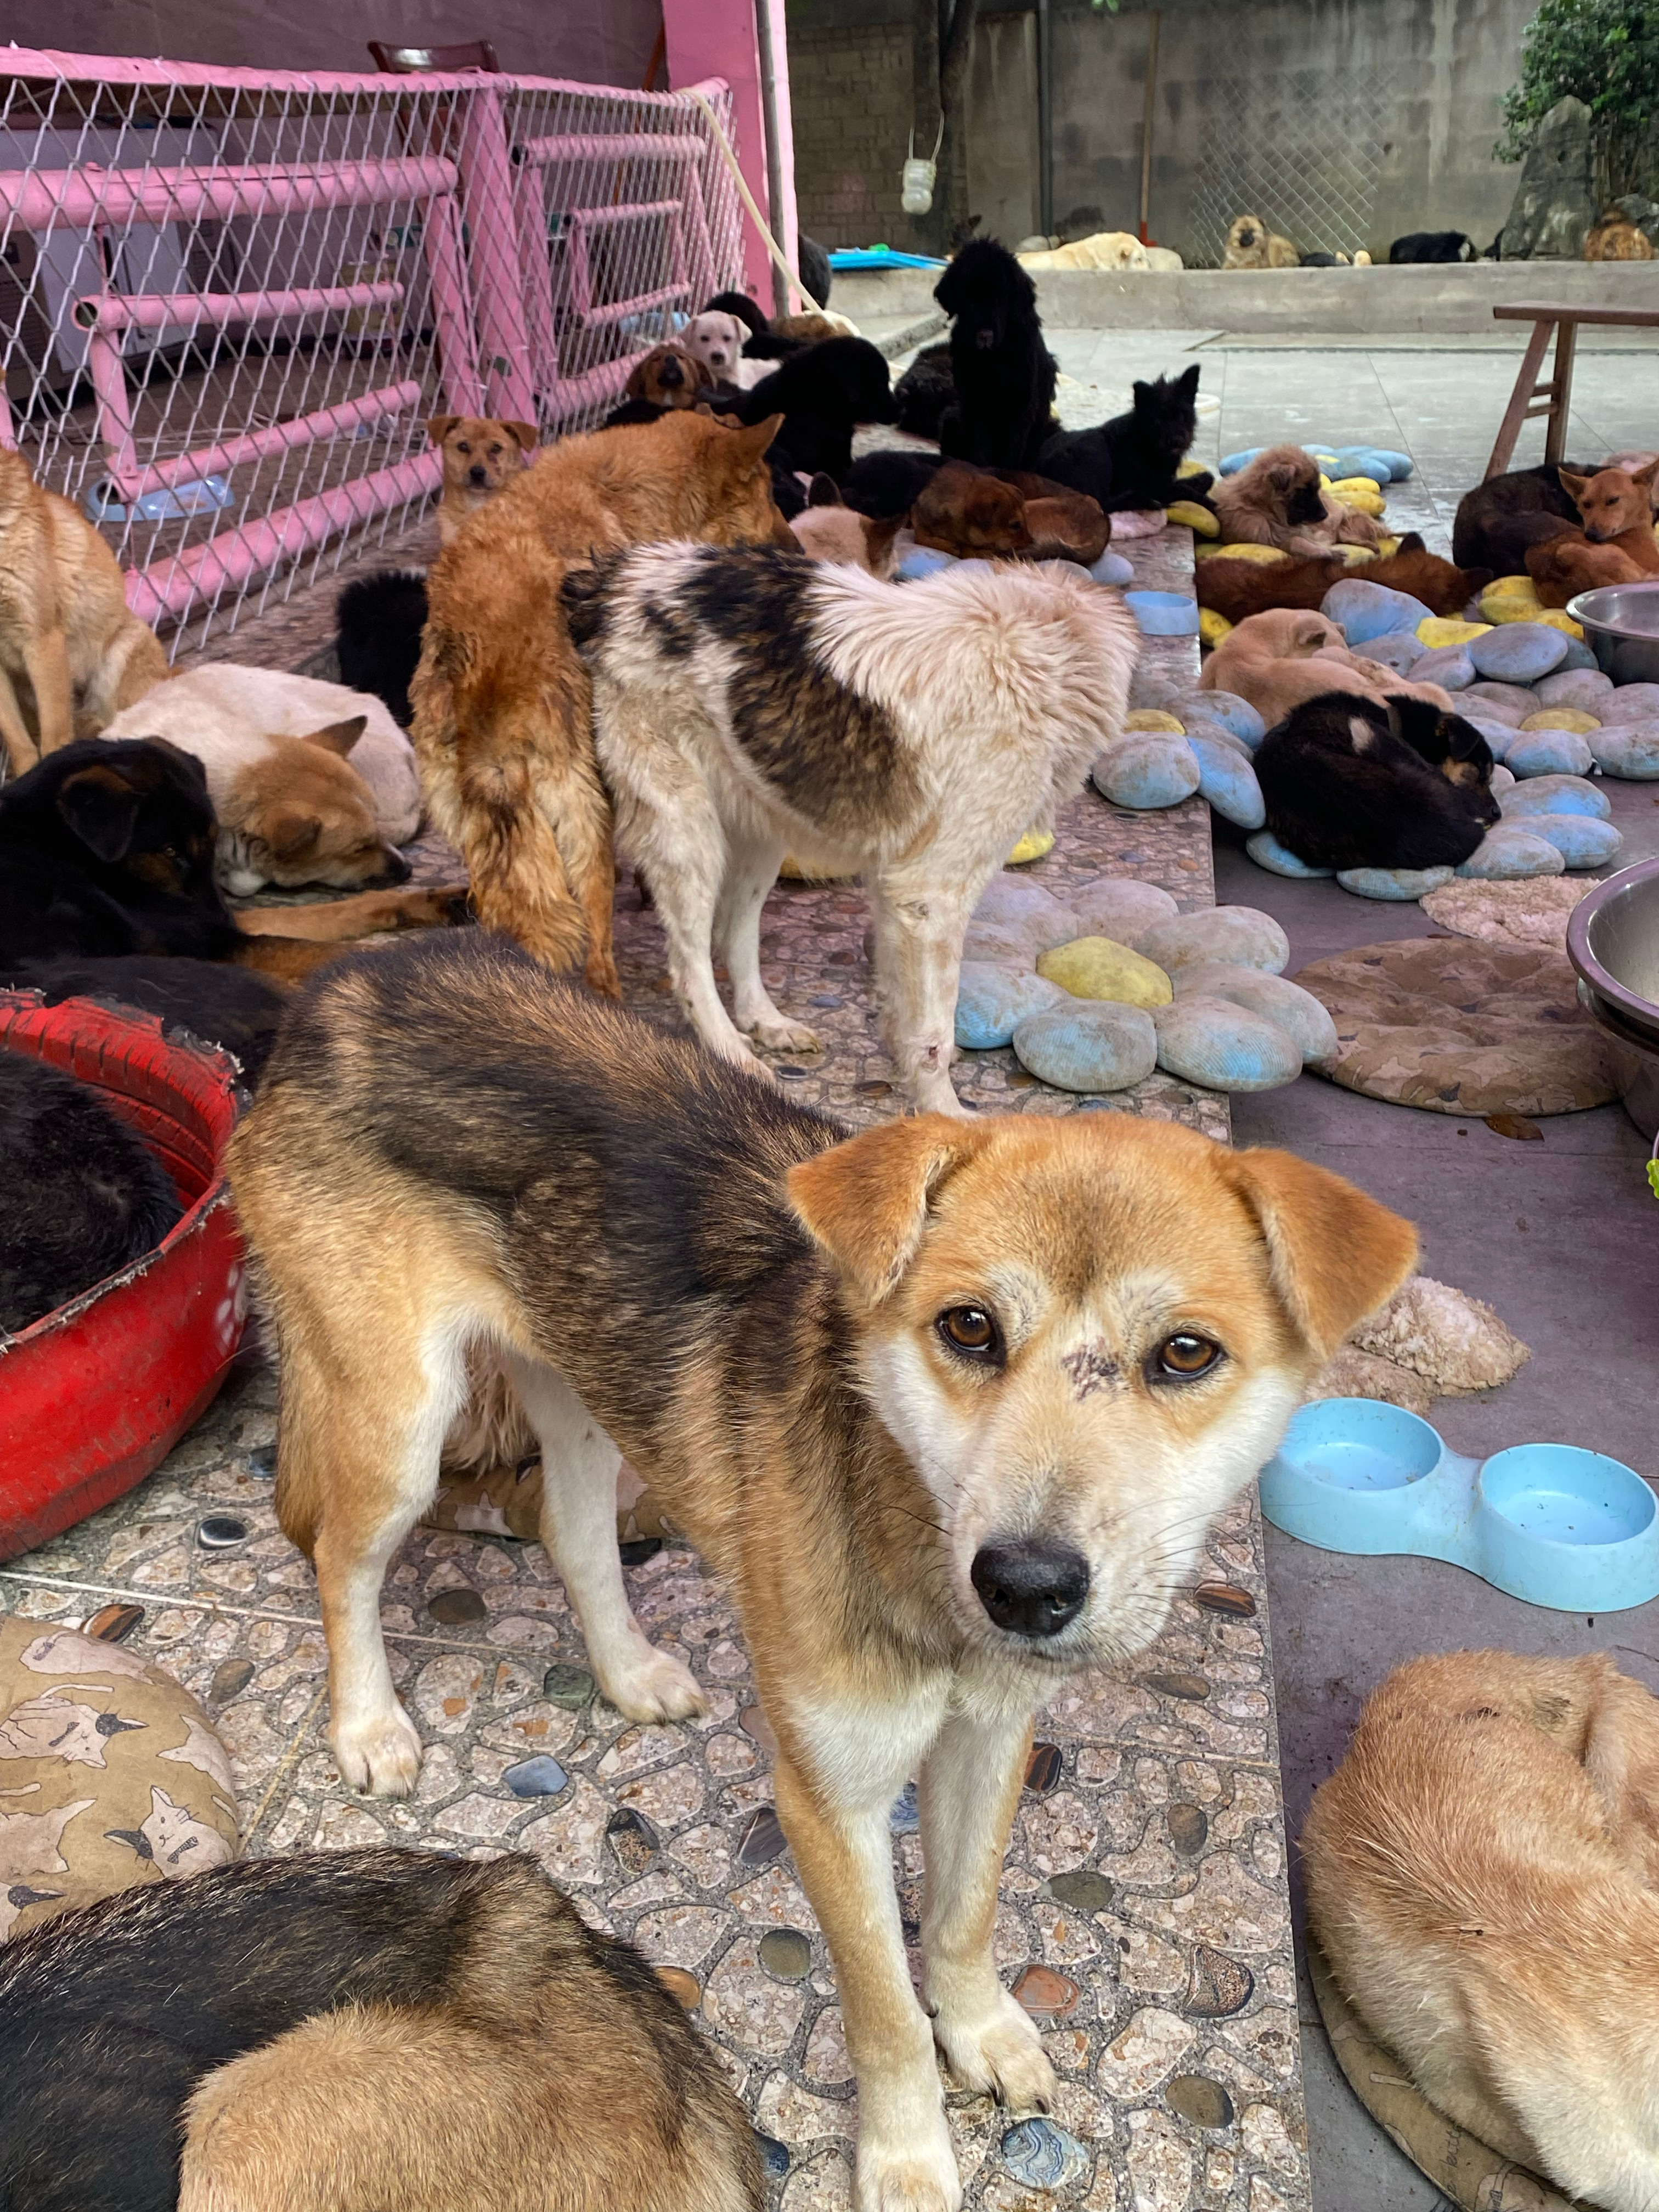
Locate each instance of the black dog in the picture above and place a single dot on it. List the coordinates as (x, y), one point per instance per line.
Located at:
(1499, 519)
(1002, 373)
(1433, 246)
(1351, 783)
(377, 622)
(112, 2017)
(890, 483)
(82, 1197)
(823, 393)
(925, 391)
(1131, 461)
(107, 846)
(200, 1001)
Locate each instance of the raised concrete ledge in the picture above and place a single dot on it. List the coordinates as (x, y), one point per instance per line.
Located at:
(1383, 301)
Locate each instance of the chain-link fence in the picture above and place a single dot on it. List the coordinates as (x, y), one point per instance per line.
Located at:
(1303, 150)
(229, 300)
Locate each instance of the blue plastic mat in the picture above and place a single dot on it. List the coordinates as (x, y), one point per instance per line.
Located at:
(879, 257)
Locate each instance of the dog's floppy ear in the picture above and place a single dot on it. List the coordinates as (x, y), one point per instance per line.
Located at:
(865, 1202)
(101, 807)
(339, 737)
(526, 433)
(439, 427)
(289, 830)
(1334, 1254)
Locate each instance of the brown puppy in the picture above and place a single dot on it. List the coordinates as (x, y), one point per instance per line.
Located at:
(1251, 245)
(480, 456)
(965, 512)
(1278, 659)
(503, 724)
(1277, 501)
(1616, 544)
(947, 1405)
(66, 635)
(1238, 589)
(299, 813)
(1483, 1877)
(668, 376)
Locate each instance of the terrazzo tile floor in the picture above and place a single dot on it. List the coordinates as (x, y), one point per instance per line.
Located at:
(1144, 1916)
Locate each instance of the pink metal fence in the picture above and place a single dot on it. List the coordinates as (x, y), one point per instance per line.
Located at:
(230, 299)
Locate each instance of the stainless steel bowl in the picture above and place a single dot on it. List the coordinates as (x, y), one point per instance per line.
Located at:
(1612, 941)
(1621, 628)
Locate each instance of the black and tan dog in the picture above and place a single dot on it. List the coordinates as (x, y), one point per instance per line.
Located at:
(357, 2030)
(1351, 782)
(947, 1405)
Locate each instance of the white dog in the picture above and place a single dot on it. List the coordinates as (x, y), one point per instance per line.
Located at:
(717, 341)
(748, 703)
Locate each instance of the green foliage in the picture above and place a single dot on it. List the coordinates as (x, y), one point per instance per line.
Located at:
(1605, 52)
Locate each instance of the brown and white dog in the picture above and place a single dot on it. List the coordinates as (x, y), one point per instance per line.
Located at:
(480, 456)
(1483, 1877)
(1277, 500)
(1251, 245)
(947, 1405)
(72, 653)
(749, 704)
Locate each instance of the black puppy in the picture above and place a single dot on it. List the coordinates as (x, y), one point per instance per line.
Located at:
(107, 846)
(208, 1002)
(1002, 373)
(823, 393)
(1349, 783)
(889, 483)
(111, 2019)
(1131, 461)
(377, 622)
(1498, 520)
(1433, 246)
(83, 1196)
(925, 391)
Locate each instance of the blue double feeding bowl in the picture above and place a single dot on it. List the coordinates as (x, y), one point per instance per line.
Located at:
(1570, 1529)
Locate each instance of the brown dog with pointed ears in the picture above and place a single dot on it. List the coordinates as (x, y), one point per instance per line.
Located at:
(948, 1405)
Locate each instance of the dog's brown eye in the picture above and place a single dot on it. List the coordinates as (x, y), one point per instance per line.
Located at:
(1184, 1356)
(970, 1331)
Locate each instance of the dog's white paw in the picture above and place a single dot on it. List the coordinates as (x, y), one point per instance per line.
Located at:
(785, 1035)
(378, 1754)
(652, 1686)
(998, 2051)
(918, 2174)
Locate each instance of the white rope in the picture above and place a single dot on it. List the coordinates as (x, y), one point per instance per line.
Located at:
(724, 145)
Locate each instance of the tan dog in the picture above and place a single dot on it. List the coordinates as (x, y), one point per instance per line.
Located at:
(946, 1405)
(1483, 1877)
(480, 456)
(1615, 544)
(830, 530)
(1289, 654)
(1276, 500)
(1251, 245)
(66, 634)
(1613, 239)
(503, 724)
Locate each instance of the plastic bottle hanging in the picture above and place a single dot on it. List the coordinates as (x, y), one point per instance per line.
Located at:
(917, 178)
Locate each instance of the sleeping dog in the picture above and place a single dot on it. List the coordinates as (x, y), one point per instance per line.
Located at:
(946, 1405)
(1351, 782)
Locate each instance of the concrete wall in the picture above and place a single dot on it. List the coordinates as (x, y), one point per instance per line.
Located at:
(1298, 83)
(596, 41)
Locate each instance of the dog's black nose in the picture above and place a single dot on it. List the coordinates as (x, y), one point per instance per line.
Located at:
(478, 474)
(1031, 1585)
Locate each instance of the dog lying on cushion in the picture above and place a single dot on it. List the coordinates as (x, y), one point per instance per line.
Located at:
(1351, 782)
(1278, 659)
(1483, 1878)
(1238, 589)
(1276, 500)
(355, 2029)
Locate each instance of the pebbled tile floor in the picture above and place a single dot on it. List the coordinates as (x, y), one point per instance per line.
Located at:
(1144, 1918)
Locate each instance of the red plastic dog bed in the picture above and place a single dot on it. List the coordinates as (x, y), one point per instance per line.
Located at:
(93, 1396)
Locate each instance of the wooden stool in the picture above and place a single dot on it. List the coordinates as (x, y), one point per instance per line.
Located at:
(1557, 394)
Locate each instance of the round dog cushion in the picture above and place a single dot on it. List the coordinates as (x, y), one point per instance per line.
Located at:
(1466, 2170)
(1470, 1028)
(111, 1775)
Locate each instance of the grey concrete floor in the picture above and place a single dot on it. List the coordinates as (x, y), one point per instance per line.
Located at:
(1440, 405)
(1562, 1238)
